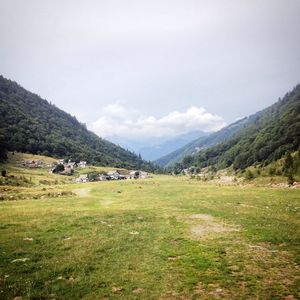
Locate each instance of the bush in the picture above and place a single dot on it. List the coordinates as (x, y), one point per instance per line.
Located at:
(58, 168)
(93, 176)
(290, 179)
(249, 175)
(272, 171)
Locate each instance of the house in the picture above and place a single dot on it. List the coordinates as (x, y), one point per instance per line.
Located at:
(70, 165)
(82, 164)
(123, 174)
(133, 174)
(138, 175)
(82, 178)
(143, 175)
(114, 175)
(67, 171)
(103, 177)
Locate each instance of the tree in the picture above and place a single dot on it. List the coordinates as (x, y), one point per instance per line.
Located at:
(58, 168)
(288, 164)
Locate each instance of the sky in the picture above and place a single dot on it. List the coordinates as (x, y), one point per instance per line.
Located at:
(139, 68)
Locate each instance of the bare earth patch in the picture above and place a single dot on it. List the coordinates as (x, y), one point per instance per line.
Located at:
(202, 217)
(106, 202)
(82, 192)
(204, 225)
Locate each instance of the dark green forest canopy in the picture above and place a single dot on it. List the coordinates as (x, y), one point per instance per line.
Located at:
(31, 124)
(271, 134)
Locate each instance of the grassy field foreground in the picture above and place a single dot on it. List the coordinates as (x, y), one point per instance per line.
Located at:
(160, 238)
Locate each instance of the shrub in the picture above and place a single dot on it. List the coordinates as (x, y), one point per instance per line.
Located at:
(290, 179)
(249, 175)
(272, 171)
(58, 168)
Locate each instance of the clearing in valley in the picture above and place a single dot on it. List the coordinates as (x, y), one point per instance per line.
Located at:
(159, 238)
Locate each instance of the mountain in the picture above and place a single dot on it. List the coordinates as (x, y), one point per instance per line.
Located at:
(266, 137)
(154, 152)
(31, 124)
(203, 142)
(153, 148)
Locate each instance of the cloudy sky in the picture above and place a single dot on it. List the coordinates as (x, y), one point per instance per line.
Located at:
(159, 67)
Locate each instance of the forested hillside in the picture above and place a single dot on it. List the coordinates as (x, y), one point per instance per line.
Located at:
(271, 134)
(203, 142)
(31, 124)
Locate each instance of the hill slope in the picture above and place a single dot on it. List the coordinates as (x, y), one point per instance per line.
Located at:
(155, 151)
(269, 135)
(31, 124)
(203, 143)
(154, 147)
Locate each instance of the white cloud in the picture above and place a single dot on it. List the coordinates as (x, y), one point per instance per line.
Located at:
(117, 120)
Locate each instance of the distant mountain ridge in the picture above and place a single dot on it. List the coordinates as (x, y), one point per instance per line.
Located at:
(263, 138)
(31, 124)
(153, 148)
(203, 143)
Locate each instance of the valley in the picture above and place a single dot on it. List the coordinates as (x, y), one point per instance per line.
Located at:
(150, 150)
(166, 237)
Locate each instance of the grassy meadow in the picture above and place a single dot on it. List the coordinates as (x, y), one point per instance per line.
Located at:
(159, 238)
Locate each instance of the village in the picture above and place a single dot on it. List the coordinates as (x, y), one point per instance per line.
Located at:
(67, 168)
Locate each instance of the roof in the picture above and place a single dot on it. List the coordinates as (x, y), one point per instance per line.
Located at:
(112, 172)
(123, 172)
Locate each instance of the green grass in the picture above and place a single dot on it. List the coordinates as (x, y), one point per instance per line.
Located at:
(133, 240)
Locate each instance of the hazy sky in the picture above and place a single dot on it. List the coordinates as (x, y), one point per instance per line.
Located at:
(143, 67)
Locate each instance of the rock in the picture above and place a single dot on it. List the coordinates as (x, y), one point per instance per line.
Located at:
(138, 291)
(173, 258)
(116, 289)
(134, 232)
(20, 260)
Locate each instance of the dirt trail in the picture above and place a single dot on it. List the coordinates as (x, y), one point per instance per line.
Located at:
(82, 192)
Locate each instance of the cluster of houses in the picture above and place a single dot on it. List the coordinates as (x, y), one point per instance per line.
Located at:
(66, 168)
(59, 167)
(63, 167)
(112, 175)
(32, 163)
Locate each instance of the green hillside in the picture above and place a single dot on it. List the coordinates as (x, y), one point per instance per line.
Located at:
(271, 134)
(204, 142)
(31, 124)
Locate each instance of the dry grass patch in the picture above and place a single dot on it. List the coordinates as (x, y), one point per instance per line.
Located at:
(205, 226)
(82, 192)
